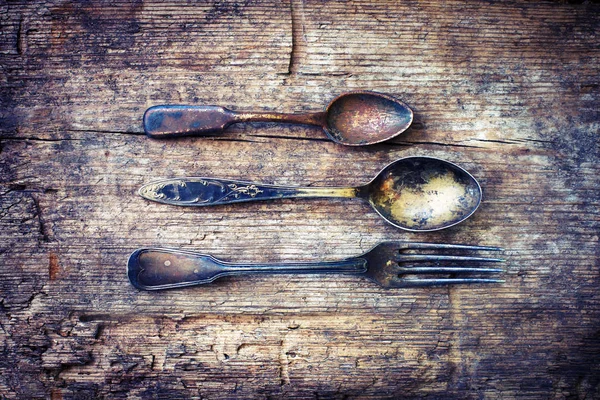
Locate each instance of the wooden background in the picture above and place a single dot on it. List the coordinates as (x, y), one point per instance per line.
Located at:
(508, 90)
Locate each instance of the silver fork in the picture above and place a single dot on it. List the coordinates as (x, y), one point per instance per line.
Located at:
(390, 264)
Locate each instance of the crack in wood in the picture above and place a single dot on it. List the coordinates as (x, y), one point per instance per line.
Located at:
(5, 210)
(298, 18)
(95, 131)
(492, 141)
(332, 74)
(290, 138)
(52, 140)
(227, 139)
(38, 139)
(284, 373)
(80, 360)
(294, 40)
(405, 143)
(42, 225)
(20, 37)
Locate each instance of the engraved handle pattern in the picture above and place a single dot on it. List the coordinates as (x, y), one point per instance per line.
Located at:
(209, 191)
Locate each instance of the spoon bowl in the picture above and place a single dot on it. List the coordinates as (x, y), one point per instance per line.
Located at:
(424, 194)
(417, 194)
(352, 119)
(363, 118)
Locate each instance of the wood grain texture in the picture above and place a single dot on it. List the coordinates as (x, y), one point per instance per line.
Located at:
(510, 91)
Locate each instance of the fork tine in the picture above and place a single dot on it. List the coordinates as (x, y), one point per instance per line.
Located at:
(447, 270)
(408, 283)
(438, 257)
(403, 281)
(446, 246)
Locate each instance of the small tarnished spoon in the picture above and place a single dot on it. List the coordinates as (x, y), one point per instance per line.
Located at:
(352, 119)
(416, 194)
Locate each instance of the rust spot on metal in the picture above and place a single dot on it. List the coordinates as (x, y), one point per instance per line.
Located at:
(53, 266)
(56, 394)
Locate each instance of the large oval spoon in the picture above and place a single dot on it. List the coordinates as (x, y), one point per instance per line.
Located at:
(353, 119)
(415, 193)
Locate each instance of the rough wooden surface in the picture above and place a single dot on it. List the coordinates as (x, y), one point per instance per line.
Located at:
(508, 90)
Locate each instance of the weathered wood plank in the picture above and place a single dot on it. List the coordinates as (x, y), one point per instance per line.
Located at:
(509, 91)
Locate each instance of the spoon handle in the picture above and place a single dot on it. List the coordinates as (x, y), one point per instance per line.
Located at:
(211, 191)
(154, 268)
(314, 118)
(175, 120)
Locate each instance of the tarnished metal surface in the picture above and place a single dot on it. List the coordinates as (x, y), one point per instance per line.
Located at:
(353, 119)
(360, 118)
(154, 269)
(197, 191)
(175, 121)
(422, 193)
(386, 264)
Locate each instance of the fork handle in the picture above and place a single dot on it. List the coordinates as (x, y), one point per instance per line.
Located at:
(155, 268)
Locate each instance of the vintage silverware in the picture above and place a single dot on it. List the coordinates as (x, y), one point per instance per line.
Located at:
(353, 119)
(390, 264)
(415, 193)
